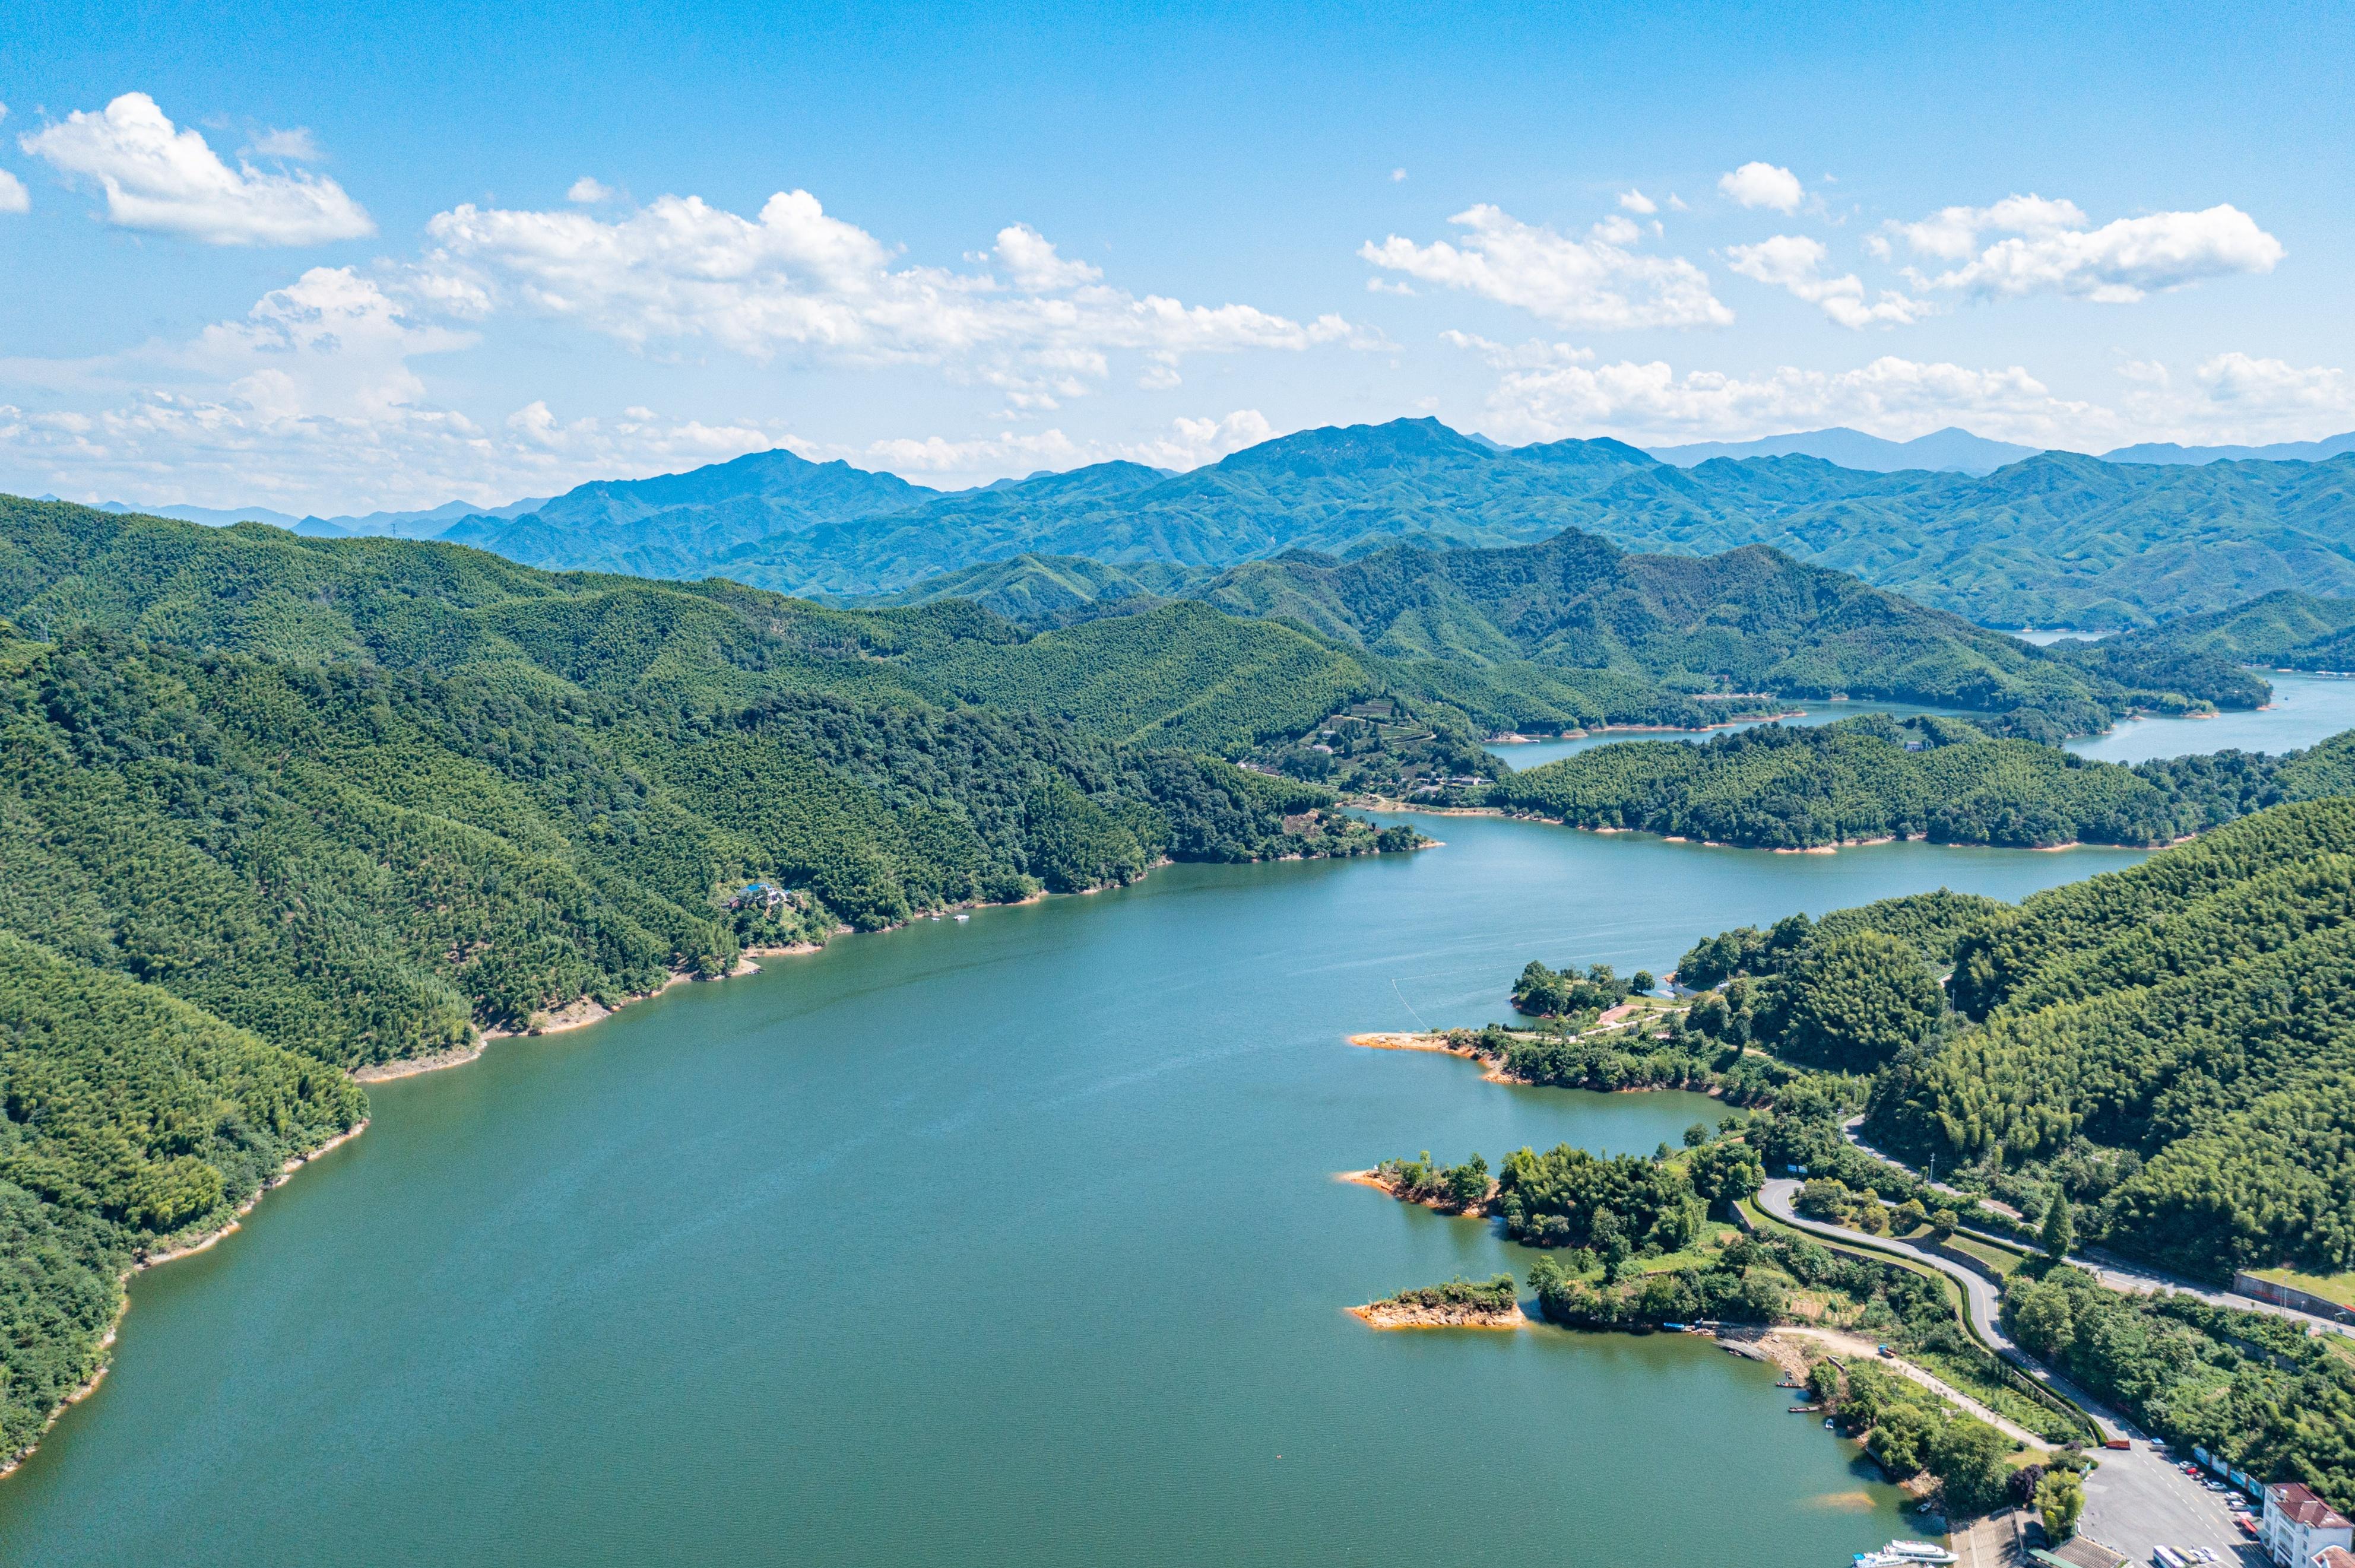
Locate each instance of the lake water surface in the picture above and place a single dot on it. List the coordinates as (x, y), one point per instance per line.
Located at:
(1010, 1242)
(2304, 709)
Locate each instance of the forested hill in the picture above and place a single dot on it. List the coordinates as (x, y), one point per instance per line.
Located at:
(2171, 1047)
(273, 808)
(1942, 779)
(1570, 631)
(2054, 539)
(2284, 630)
(2174, 1043)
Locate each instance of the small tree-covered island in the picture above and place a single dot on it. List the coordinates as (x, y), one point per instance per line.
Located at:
(2157, 1063)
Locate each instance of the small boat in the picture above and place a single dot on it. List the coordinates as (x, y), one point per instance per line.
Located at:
(1904, 1554)
(962, 918)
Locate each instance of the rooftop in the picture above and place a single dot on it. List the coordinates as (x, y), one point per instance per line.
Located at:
(2298, 1504)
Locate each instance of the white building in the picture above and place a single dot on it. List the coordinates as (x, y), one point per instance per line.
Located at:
(2299, 1525)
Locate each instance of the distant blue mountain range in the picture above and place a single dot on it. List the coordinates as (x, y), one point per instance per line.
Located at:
(2003, 534)
(1956, 450)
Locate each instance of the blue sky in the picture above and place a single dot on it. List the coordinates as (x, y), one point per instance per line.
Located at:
(338, 257)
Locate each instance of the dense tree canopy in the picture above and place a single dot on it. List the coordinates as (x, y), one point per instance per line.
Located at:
(1871, 776)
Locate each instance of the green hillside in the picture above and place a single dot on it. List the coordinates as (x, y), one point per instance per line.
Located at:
(2284, 630)
(273, 808)
(1873, 778)
(1047, 590)
(2172, 1045)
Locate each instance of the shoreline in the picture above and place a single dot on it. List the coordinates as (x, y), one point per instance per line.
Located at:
(1390, 1316)
(1514, 737)
(578, 1014)
(1384, 803)
(1435, 1043)
(143, 1261)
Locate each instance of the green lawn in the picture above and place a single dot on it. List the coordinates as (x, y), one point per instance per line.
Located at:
(2004, 1261)
(2339, 1288)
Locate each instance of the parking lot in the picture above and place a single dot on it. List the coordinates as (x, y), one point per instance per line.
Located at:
(2139, 1498)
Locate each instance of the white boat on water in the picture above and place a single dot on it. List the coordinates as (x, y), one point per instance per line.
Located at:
(1904, 1554)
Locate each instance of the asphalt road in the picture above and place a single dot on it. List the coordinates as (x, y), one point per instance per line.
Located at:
(2136, 1499)
(2122, 1276)
(1981, 1292)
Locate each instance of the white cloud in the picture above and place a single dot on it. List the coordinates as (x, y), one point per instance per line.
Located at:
(161, 178)
(1795, 261)
(309, 402)
(1571, 282)
(588, 191)
(296, 146)
(1763, 185)
(1951, 233)
(1029, 259)
(1617, 230)
(1638, 202)
(795, 280)
(1193, 443)
(2236, 397)
(1536, 353)
(1397, 174)
(2048, 248)
(1892, 396)
(1190, 444)
(12, 194)
(2275, 387)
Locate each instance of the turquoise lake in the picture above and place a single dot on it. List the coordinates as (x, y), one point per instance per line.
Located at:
(1014, 1241)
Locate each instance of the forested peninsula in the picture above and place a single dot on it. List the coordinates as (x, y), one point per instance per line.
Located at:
(2157, 1060)
(1944, 780)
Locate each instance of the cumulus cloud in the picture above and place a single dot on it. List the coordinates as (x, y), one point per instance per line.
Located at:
(1952, 233)
(14, 198)
(794, 279)
(1795, 262)
(2275, 388)
(2048, 248)
(161, 178)
(1030, 259)
(1596, 283)
(1637, 202)
(588, 191)
(1763, 185)
(1892, 396)
(2236, 397)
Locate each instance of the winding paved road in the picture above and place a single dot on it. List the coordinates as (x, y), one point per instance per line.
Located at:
(1984, 1297)
(2134, 1497)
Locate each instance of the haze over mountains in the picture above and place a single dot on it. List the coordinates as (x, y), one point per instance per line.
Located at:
(2044, 538)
